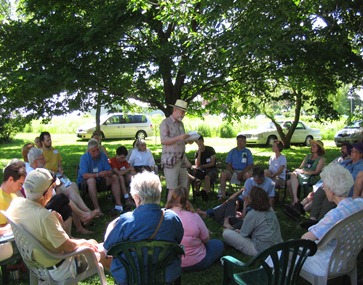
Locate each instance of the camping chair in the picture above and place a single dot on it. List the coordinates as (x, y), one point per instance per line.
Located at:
(347, 234)
(287, 259)
(27, 243)
(145, 261)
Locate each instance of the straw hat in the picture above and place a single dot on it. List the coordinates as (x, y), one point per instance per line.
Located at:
(180, 104)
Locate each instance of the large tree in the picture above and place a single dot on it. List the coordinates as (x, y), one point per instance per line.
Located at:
(296, 53)
(106, 52)
(239, 56)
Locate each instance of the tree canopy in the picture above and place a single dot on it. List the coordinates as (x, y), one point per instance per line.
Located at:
(232, 57)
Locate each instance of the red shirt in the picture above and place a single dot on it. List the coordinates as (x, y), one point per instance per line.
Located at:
(120, 165)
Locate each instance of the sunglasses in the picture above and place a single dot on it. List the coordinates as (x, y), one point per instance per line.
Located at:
(54, 179)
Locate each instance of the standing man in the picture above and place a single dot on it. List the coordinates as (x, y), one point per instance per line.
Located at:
(95, 172)
(173, 136)
(239, 164)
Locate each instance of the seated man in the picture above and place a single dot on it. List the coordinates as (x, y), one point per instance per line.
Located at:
(231, 212)
(95, 173)
(142, 224)
(65, 203)
(46, 226)
(13, 179)
(337, 184)
(123, 170)
(205, 167)
(358, 186)
(239, 164)
(53, 162)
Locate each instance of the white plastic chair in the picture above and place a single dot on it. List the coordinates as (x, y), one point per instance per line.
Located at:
(27, 243)
(348, 234)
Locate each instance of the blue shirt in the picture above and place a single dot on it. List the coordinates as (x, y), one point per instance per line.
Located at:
(239, 159)
(89, 165)
(140, 225)
(354, 169)
(268, 185)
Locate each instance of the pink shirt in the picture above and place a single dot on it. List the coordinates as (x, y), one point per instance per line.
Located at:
(195, 231)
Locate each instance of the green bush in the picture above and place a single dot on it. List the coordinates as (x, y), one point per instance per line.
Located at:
(226, 130)
(205, 130)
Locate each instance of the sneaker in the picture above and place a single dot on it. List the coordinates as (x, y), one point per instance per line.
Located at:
(116, 211)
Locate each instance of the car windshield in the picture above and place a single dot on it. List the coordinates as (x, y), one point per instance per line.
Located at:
(355, 125)
(267, 126)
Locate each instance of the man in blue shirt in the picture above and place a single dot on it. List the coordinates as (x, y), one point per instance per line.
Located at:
(95, 172)
(239, 165)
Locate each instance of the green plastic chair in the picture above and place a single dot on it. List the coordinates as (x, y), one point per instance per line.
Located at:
(278, 265)
(145, 261)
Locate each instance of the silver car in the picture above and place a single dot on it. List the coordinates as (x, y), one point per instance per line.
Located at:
(265, 135)
(352, 134)
(119, 126)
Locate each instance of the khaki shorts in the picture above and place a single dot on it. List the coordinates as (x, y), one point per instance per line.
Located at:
(175, 176)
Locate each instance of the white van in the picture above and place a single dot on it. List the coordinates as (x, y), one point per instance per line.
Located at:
(119, 126)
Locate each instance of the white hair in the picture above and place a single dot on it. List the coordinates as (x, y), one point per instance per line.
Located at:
(92, 143)
(33, 154)
(338, 179)
(147, 186)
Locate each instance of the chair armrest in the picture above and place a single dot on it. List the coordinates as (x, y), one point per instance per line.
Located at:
(88, 252)
(230, 261)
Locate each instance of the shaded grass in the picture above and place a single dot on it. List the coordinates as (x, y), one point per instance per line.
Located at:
(71, 150)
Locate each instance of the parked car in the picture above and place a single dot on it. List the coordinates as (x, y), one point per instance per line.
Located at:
(352, 134)
(266, 134)
(119, 126)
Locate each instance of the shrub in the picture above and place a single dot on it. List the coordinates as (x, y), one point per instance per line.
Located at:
(226, 130)
(10, 125)
(205, 130)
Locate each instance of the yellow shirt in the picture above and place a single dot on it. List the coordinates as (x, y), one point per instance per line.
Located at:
(5, 200)
(42, 224)
(52, 158)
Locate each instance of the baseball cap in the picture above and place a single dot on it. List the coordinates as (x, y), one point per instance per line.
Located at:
(39, 180)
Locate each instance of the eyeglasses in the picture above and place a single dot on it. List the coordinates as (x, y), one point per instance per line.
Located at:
(54, 179)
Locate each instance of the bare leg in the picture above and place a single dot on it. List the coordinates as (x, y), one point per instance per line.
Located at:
(293, 185)
(115, 188)
(122, 183)
(92, 190)
(225, 176)
(73, 194)
(79, 228)
(68, 226)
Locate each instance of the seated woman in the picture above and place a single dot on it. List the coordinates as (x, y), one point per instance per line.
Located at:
(141, 158)
(277, 165)
(200, 251)
(312, 165)
(337, 184)
(142, 223)
(260, 228)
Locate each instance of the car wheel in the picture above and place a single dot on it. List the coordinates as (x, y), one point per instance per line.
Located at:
(140, 135)
(270, 140)
(307, 140)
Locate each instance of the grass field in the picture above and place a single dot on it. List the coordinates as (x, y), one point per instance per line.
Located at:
(71, 150)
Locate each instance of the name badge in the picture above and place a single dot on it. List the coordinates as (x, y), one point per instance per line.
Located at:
(244, 158)
(95, 169)
(123, 168)
(207, 160)
(55, 151)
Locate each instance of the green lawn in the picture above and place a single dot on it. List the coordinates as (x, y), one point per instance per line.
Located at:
(71, 150)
